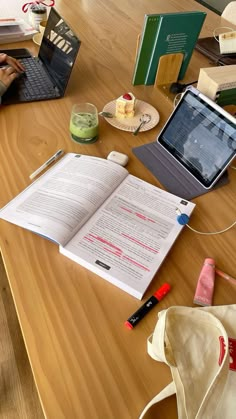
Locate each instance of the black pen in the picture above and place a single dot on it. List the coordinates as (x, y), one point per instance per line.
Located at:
(146, 307)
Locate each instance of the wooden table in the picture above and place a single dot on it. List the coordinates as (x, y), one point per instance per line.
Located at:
(86, 364)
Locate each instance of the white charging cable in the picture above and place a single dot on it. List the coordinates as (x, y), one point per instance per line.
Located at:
(221, 27)
(183, 219)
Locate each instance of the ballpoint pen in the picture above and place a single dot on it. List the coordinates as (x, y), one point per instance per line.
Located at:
(225, 276)
(55, 156)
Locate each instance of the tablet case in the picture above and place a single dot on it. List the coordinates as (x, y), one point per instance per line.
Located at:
(211, 49)
(170, 173)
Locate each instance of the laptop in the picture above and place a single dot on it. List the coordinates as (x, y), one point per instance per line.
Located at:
(46, 76)
(199, 137)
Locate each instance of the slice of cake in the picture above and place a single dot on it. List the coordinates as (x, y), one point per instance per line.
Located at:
(125, 106)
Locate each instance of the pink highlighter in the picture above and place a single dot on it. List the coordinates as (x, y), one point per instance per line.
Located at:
(205, 286)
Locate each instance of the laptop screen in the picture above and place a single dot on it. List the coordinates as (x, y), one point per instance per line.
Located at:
(58, 49)
(201, 137)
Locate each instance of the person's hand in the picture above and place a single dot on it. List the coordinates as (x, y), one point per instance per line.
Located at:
(12, 69)
(13, 62)
(7, 75)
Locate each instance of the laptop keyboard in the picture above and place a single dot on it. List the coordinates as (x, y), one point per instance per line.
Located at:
(35, 83)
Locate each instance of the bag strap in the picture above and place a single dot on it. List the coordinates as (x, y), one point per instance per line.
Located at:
(156, 348)
(169, 390)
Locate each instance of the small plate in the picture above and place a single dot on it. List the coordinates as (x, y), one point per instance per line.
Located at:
(37, 38)
(130, 124)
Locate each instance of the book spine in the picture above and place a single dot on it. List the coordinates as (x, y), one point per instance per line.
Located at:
(151, 23)
(153, 63)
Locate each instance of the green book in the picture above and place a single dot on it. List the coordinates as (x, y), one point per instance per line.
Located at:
(163, 34)
(226, 97)
(145, 50)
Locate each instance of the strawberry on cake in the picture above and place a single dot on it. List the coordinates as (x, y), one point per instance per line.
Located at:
(125, 106)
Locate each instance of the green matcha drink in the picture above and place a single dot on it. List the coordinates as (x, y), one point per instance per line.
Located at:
(84, 123)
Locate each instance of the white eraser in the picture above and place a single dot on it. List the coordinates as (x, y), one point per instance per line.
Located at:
(118, 158)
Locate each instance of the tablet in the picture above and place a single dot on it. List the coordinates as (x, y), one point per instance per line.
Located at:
(200, 136)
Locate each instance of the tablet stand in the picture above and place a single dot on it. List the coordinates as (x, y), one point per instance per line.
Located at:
(170, 173)
(168, 69)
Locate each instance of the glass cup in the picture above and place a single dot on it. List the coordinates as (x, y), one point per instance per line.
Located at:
(37, 13)
(42, 26)
(84, 123)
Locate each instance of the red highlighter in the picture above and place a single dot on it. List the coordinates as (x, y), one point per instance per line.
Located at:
(146, 307)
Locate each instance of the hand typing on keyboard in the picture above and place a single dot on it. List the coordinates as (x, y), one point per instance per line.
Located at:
(10, 68)
(35, 85)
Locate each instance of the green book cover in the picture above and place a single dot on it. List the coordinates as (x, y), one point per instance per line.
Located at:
(226, 97)
(175, 32)
(145, 50)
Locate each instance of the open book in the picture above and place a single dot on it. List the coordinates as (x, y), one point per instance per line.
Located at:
(105, 219)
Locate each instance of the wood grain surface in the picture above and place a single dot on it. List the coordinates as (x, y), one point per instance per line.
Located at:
(18, 395)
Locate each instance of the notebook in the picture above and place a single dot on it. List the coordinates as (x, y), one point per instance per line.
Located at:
(46, 76)
(195, 146)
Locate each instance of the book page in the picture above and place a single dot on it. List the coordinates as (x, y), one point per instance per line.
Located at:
(61, 201)
(126, 241)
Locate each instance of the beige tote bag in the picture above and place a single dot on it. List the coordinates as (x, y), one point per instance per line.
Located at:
(199, 345)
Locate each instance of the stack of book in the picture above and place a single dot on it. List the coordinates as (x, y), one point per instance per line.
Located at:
(15, 30)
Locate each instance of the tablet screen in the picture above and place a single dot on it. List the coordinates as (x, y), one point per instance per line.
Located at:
(200, 137)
